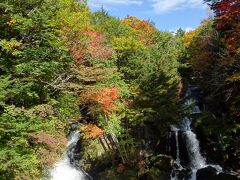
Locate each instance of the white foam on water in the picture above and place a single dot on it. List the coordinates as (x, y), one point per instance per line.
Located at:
(197, 160)
(63, 170)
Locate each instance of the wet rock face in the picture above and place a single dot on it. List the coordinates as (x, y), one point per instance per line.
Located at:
(173, 148)
(210, 173)
(206, 173)
(73, 152)
(182, 174)
(183, 149)
(223, 176)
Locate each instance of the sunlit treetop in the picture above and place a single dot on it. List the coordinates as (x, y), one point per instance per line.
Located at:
(146, 31)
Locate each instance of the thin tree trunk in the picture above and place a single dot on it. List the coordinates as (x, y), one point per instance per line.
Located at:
(102, 143)
(106, 142)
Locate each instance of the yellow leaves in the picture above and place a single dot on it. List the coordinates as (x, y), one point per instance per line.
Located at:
(234, 77)
(12, 22)
(11, 46)
(189, 36)
(91, 131)
(74, 20)
(13, 43)
(146, 32)
(126, 44)
(75, 117)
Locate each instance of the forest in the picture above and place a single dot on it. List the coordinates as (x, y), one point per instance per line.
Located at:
(123, 89)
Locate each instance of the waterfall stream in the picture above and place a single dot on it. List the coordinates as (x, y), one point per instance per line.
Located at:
(65, 169)
(195, 159)
(182, 144)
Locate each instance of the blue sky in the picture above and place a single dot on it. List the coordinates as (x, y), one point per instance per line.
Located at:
(166, 14)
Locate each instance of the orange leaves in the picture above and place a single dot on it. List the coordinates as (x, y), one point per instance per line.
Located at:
(105, 97)
(91, 131)
(77, 53)
(79, 36)
(138, 24)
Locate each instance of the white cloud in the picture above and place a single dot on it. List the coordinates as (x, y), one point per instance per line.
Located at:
(161, 6)
(174, 31)
(99, 3)
(188, 29)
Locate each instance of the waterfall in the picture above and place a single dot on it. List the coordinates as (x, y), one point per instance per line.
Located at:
(175, 130)
(197, 160)
(64, 169)
(191, 143)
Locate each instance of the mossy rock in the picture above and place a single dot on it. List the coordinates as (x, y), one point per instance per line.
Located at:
(162, 162)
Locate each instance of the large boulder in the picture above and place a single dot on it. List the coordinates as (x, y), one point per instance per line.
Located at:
(206, 173)
(210, 173)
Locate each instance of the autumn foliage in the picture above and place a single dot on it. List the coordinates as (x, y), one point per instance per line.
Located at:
(104, 97)
(189, 36)
(93, 47)
(145, 30)
(96, 47)
(227, 14)
(48, 146)
(91, 131)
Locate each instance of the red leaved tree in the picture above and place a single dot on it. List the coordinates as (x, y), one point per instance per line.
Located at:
(227, 13)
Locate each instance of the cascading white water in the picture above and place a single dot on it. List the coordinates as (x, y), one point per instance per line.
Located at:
(63, 170)
(175, 130)
(197, 161)
(177, 161)
(177, 144)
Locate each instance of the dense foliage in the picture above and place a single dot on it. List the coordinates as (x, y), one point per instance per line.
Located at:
(117, 80)
(213, 55)
(60, 63)
(31, 128)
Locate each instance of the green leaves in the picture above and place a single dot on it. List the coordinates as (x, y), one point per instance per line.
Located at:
(54, 51)
(31, 59)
